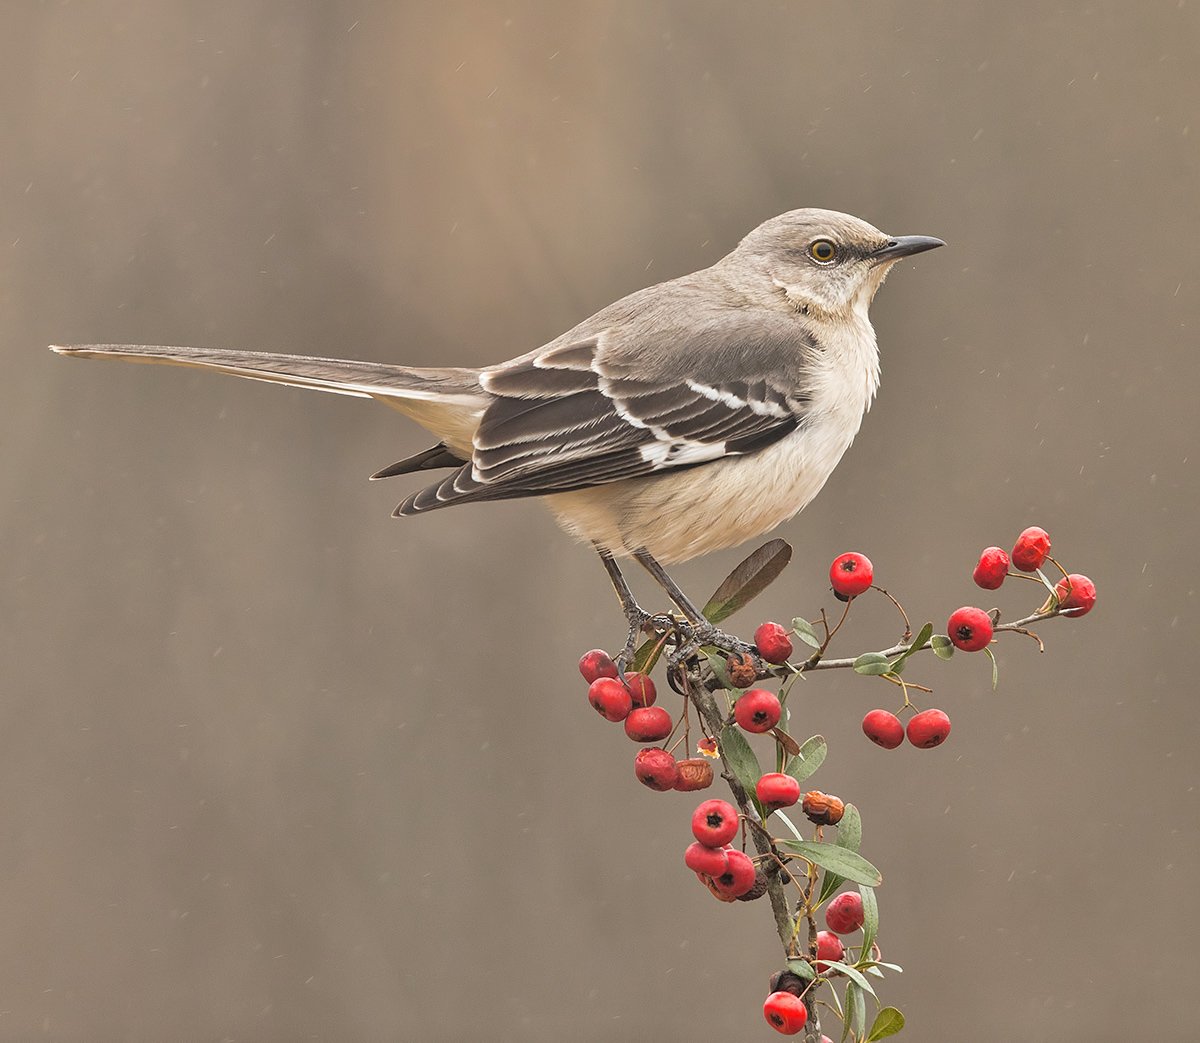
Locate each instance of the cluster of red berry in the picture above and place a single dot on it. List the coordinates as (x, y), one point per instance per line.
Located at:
(726, 870)
(970, 629)
(632, 701)
(784, 1008)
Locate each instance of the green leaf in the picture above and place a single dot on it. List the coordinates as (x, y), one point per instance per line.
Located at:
(740, 758)
(809, 759)
(647, 655)
(925, 634)
(849, 837)
(942, 646)
(872, 664)
(720, 671)
(839, 861)
(802, 628)
(790, 825)
(748, 580)
(888, 1022)
(852, 973)
(856, 1010)
(995, 667)
(898, 664)
(870, 918)
(802, 969)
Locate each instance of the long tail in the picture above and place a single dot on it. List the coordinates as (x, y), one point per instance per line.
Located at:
(459, 387)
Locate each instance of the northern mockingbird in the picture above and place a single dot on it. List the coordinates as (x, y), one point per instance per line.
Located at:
(685, 418)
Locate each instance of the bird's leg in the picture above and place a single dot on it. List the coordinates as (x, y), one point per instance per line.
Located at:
(635, 615)
(703, 632)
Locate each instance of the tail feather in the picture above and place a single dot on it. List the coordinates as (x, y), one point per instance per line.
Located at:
(344, 377)
(428, 460)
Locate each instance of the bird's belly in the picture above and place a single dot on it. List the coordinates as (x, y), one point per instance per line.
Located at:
(707, 508)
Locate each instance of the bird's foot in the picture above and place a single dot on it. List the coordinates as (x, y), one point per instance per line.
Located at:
(696, 636)
(641, 622)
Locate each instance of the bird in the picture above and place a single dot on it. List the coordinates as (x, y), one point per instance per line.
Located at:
(685, 418)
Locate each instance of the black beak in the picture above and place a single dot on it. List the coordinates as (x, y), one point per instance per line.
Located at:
(906, 246)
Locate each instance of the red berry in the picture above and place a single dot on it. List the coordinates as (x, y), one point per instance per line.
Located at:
(641, 688)
(596, 664)
(844, 914)
(1076, 592)
(776, 790)
(610, 698)
(654, 767)
(883, 728)
(829, 949)
(970, 629)
(928, 729)
(992, 568)
(1031, 549)
(739, 874)
(715, 823)
(648, 724)
(785, 1013)
(710, 861)
(773, 642)
(851, 574)
(758, 710)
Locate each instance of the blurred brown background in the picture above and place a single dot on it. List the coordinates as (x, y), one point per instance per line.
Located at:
(275, 766)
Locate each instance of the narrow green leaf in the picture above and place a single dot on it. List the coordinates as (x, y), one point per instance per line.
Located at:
(1046, 583)
(716, 663)
(872, 664)
(849, 837)
(802, 628)
(870, 926)
(802, 969)
(925, 634)
(898, 664)
(856, 1010)
(647, 655)
(788, 822)
(840, 861)
(888, 1022)
(942, 646)
(740, 758)
(852, 973)
(749, 579)
(850, 828)
(809, 759)
(995, 667)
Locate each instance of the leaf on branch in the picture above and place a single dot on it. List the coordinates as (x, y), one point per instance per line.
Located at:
(942, 646)
(870, 925)
(647, 655)
(809, 759)
(855, 975)
(802, 628)
(802, 969)
(888, 1022)
(849, 837)
(856, 1010)
(919, 641)
(836, 861)
(790, 746)
(741, 759)
(995, 667)
(748, 580)
(872, 664)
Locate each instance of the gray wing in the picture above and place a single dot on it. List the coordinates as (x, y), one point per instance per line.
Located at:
(592, 411)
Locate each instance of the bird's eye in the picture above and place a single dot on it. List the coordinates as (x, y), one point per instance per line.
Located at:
(823, 251)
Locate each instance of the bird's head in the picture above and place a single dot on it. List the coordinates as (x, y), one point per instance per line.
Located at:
(825, 263)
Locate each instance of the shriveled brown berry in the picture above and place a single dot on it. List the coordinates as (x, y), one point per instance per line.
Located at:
(822, 808)
(786, 981)
(742, 671)
(694, 773)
